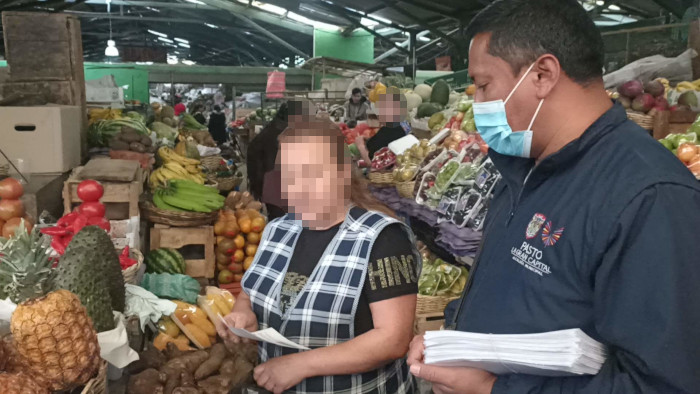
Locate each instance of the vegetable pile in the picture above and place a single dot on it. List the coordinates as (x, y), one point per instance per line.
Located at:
(238, 234)
(439, 278)
(102, 132)
(184, 195)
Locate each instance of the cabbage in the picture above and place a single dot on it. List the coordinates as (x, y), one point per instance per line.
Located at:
(424, 91)
(162, 130)
(413, 100)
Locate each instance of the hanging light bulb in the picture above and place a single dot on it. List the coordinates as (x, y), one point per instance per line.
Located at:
(111, 50)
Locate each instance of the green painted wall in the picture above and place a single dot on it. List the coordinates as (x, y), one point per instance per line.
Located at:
(133, 80)
(358, 47)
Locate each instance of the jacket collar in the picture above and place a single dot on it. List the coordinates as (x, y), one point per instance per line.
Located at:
(515, 169)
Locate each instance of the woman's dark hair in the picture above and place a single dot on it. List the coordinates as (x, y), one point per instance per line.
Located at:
(217, 108)
(356, 91)
(359, 190)
(523, 30)
(283, 112)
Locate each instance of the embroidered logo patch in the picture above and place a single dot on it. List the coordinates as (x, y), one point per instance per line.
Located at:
(549, 237)
(535, 225)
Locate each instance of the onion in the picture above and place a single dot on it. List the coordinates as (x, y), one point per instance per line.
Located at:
(686, 152)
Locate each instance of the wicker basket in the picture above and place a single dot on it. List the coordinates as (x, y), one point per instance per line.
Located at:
(98, 384)
(212, 163)
(384, 178)
(405, 189)
(645, 121)
(229, 183)
(130, 273)
(176, 218)
(428, 304)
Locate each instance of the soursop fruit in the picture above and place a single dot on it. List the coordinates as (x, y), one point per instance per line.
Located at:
(90, 268)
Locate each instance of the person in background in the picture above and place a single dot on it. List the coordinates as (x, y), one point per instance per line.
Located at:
(263, 177)
(179, 106)
(217, 125)
(590, 227)
(392, 111)
(198, 114)
(338, 275)
(356, 108)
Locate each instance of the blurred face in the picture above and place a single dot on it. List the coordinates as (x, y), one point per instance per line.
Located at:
(391, 108)
(356, 98)
(494, 80)
(313, 185)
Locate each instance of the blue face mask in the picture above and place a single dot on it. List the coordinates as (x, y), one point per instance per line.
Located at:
(492, 123)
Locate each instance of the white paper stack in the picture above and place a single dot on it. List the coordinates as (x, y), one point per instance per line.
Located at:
(556, 353)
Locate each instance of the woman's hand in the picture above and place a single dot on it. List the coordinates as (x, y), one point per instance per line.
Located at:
(280, 373)
(237, 319)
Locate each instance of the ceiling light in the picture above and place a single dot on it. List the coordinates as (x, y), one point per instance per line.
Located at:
(380, 19)
(599, 2)
(424, 39)
(212, 26)
(181, 40)
(159, 34)
(248, 33)
(188, 62)
(172, 60)
(152, 9)
(195, 2)
(613, 7)
(166, 40)
(368, 22)
(183, 45)
(111, 50)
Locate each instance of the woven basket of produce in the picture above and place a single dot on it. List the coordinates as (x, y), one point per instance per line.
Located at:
(176, 218)
(98, 384)
(381, 178)
(405, 189)
(130, 273)
(229, 183)
(644, 121)
(428, 304)
(212, 163)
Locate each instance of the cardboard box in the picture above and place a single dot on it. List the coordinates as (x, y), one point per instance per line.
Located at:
(47, 137)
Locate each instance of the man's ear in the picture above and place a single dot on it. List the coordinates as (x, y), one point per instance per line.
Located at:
(548, 72)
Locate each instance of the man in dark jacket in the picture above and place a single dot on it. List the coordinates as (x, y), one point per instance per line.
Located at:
(594, 224)
(217, 125)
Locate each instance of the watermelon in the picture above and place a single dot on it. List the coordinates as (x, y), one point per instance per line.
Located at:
(165, 261)
(440, 93)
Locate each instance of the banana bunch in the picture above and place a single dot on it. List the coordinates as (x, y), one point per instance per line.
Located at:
(221, 303)
(687, 85)
(175, 167)
(184, 195)
(96, 114)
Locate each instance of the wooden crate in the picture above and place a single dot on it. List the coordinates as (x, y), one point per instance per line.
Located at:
(121, 199)
(432, 321)
(176, 237)
(667, 122)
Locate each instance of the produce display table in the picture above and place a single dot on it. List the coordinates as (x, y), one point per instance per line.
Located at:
(163, 236)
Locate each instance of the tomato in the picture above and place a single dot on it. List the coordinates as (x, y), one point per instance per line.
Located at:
(11, 189)
(11, 209)
(90, 191)
(100, 222)
(9, 229)
(92, 209)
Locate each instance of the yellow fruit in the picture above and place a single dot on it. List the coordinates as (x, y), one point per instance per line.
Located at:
(197, 335)
(248, 262)
(168, 326)
(204, 324)
(182, 316)
(56, 340)
(221, 305)
(238, 256)
(162, 340)
(239, 241)
(257, 224)
(246, 225)
(229, 298)
(250, 250)
(182, 343)
(198, 313)
(253, 238)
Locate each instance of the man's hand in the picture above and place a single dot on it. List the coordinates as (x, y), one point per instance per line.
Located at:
(280, 373)
(448, 380)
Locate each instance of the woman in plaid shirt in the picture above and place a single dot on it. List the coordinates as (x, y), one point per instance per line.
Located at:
(338, 274)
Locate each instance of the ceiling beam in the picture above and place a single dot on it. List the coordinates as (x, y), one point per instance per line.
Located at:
(252, 13)
(402, 45)
(104, 15)
(359, 15)
(430, 9)
(154, 4)
(392, 4)
(67, 5)
(671, 6)
(635, 11)
(272, 36)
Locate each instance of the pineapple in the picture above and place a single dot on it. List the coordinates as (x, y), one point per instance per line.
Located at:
(54, 337)
(20, 383)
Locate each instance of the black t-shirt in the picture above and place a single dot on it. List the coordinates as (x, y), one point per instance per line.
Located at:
(384, 278)
(383, 138)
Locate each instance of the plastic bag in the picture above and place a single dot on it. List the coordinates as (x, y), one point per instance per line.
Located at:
(173, 286)
(674, 69)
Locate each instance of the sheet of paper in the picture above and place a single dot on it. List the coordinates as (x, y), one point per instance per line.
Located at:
(269, 335)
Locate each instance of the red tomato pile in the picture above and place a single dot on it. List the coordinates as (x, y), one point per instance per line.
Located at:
(11, 208)
(90, 213)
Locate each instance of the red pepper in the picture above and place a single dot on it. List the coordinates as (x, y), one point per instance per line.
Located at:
(80, 222)
(124, 260)
(67, 220)
(55, 231)
(58, 246)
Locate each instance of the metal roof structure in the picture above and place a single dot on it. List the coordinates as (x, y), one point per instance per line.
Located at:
(274, 32)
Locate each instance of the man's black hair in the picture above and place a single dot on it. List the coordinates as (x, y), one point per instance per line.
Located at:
(283, 112)
(523, 30)
(356, 91)
(217, 108)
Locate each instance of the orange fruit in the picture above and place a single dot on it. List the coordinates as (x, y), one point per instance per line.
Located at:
(250, 250)
(236, 268)
(220, 238)
(222, 258)
(257, 225)
(219, 227)
(238, 256)
(245, 225)
(248, 262)
(253, 238)
(239, 241)
(237, 277)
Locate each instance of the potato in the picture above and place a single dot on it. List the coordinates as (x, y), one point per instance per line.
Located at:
(118, 145)
(218, 384)
(137, 147)
(211, 365)
(187, 390)
(147, 382)
(190, 361)
(146, 141)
